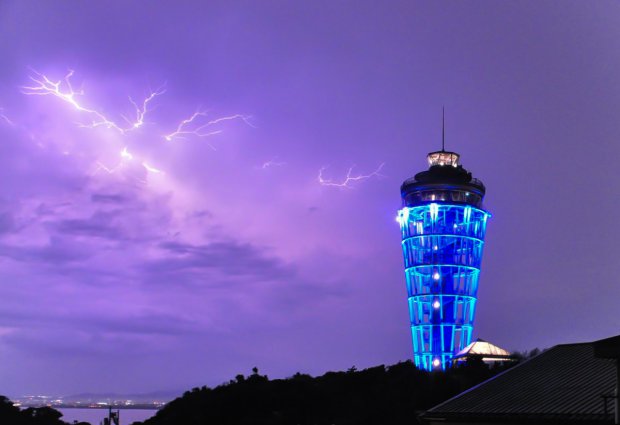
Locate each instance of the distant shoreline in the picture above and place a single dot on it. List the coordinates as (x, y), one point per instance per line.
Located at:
(121, 406)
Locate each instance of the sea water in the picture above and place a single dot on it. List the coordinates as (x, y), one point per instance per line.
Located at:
(96, 416)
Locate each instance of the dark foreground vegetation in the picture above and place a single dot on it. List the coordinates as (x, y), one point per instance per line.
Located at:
(11, 415)
(380, 395)
(375, 396)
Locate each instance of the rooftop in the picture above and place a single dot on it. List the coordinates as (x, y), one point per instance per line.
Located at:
(485, 349)
(564, 384)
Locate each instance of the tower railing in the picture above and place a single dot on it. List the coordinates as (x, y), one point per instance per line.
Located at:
(442, 249)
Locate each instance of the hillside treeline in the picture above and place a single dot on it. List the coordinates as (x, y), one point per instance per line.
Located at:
(376, 396)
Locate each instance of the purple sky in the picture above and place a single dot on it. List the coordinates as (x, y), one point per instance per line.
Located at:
(183, 262)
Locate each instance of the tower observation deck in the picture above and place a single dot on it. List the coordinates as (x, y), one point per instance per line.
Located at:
(443, 225)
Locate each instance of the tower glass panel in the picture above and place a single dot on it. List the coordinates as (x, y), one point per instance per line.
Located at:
(442, 228)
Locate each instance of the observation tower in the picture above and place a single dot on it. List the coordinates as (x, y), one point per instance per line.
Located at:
(442, 225)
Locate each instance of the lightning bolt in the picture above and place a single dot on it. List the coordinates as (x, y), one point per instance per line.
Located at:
(151, 169)
(191, 127)
(141, 110)
(63, 89)
(125, 157)
(349, 179)
(272, 163)
(244, 118)
(197, 125)
(5, 118)
(101, 166)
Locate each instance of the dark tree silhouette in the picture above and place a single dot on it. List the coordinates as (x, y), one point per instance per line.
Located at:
(12, 415)
(379, 395)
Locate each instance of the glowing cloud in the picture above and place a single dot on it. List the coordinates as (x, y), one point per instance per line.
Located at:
(125, 154)
(125, 157)
(196, 125)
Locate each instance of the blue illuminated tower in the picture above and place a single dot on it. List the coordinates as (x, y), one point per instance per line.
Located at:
(443, 225)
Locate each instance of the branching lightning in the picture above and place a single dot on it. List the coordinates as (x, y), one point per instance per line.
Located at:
(126, 156)
(191, 127)
(244, 118)
(181, 128)
(141, 110)
(197, 125)
(349, 179)
(63, 89)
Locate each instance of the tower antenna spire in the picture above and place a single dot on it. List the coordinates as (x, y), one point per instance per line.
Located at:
(442, 215)
(443, 128)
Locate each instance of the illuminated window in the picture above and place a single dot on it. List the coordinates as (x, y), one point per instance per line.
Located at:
(442, 251)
